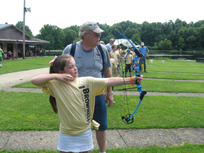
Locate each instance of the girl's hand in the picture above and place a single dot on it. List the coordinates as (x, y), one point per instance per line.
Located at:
(65, 77)
(139, 79)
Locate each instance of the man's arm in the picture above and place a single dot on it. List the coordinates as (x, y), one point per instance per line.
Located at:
(147, 53)
(109, 96)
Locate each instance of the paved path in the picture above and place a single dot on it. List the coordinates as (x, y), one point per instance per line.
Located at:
(35, 140)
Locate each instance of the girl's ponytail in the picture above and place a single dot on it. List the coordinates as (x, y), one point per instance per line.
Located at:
(53, 103)
(51, 98)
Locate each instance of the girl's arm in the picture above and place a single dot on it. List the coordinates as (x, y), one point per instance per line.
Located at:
(40, 80)
(120, 81)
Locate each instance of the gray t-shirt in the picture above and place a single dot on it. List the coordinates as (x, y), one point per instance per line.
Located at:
(89, 62)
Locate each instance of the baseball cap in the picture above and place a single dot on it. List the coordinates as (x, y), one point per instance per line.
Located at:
(112, 39)
(142, 44)
(90, 26)
(102, 42)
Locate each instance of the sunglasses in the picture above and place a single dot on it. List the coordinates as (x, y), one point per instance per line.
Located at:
(95, 34)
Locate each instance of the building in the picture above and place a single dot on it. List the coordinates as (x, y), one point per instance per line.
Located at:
(11, 40)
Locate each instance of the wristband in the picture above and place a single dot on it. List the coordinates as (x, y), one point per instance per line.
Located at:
(110, 92)
(131, 81)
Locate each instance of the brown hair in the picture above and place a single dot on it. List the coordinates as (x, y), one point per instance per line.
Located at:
(59, 64)
(113, 46)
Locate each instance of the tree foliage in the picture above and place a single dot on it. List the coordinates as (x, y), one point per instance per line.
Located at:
(156, 35)
(19, 25)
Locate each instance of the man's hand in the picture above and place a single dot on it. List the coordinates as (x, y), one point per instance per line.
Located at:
(109, 99)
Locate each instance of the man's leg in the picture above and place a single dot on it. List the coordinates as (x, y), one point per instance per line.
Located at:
(101, 139)
(100, 116)
(145, 64)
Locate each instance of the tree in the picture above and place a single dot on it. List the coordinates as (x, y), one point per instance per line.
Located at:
(19, 25)
(181, 43)
(201, 36)
(165, 44)
(191, 41)
(136, 38)
(53, 34)
(69, 36)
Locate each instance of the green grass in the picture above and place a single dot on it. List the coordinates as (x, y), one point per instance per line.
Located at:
(179, 66)
(32, 111)
(152, 86)
(25, 64)
(186, 148)
(168, 86)
(26, 85)
(175, 76)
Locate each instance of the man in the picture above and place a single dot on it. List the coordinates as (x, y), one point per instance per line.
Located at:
(89, 63)
(142, 60)
(109, 45)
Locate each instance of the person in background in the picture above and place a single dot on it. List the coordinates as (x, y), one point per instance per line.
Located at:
(142, 60)
(129, 62)
(113, 65)
(109, 45)
(89, 62)
(1, 56)
(116, 55)
(102, 42)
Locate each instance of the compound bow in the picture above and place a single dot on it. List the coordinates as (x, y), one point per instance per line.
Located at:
(128, 118)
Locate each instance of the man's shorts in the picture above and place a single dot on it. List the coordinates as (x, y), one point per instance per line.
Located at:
(100, 112)
(1, 58)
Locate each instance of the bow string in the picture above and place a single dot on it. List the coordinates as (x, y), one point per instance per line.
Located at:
(128, 118)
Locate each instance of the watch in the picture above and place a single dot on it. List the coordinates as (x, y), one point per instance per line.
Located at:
(110, 92)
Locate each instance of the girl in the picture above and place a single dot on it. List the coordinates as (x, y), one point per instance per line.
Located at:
(73, 99)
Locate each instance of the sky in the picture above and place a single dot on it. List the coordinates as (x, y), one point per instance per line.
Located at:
(65, 13)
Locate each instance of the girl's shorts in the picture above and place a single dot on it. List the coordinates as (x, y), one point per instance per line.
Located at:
(1, 59)
(78, 143)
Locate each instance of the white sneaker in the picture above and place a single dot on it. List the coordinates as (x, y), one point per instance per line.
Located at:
(0, 65)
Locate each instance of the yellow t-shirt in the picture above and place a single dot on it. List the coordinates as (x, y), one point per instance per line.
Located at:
(113, 66)
(129, 59)
(115, 55)
(75, 102)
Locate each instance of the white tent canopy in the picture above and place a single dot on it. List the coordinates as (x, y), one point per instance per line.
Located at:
(125, 42)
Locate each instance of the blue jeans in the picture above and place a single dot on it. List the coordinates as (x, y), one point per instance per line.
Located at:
(143, 61)
(100, 112)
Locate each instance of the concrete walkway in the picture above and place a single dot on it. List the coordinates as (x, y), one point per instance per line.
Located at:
(35, 140)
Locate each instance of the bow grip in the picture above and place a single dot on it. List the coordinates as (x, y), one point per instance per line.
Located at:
(138, 53)
(136, 82)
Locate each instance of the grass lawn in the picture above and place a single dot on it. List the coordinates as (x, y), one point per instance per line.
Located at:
(25, 64)
(180, 66)
(186, 148)
(32, 111)
(152, 86)
(173, 69)
(168, 86)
